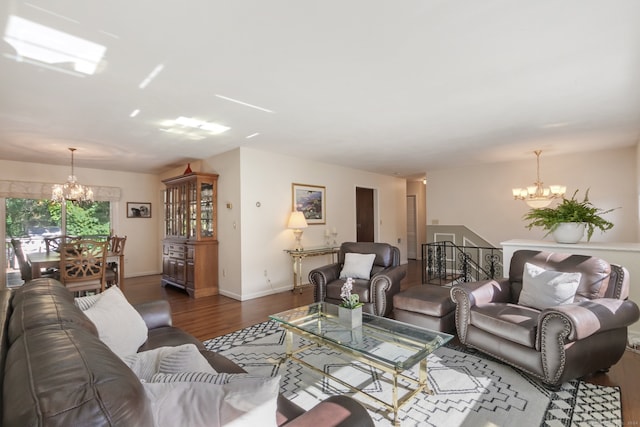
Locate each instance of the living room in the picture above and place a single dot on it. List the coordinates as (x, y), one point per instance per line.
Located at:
(455, 102)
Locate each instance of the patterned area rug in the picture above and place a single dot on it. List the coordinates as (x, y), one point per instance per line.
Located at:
(469, 388)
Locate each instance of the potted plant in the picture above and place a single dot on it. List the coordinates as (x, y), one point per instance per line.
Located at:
(580, 215)
(350, 309)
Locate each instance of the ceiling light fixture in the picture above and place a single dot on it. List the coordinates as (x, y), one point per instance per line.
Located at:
(538, 196)
(252, 135)
(71, 190)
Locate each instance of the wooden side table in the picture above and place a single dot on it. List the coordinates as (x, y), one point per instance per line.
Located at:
(298, 256)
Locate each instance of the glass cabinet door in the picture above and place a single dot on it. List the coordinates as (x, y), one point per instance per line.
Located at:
(206, 210)
(190, 207)
(193, 210)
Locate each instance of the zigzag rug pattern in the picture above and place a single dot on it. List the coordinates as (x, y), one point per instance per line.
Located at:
(470, 389)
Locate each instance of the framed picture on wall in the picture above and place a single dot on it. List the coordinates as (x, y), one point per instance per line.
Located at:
(310, 200)
(138, 210)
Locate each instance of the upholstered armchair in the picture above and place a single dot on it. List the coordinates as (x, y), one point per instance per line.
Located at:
(376, 287)
(569, 327)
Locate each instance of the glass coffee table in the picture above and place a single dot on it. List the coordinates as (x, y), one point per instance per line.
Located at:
(385, 344)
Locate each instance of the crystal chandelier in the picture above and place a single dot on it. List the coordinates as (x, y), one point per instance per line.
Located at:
(71, 190)
(538, 196)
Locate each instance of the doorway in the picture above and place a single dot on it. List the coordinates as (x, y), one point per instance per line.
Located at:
(365, 216)
(412, 228)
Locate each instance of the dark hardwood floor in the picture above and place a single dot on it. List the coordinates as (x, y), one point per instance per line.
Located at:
(217, 315)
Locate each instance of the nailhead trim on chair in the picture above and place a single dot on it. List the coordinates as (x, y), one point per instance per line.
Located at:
(561, 337)
(619, 279)
(462, 334)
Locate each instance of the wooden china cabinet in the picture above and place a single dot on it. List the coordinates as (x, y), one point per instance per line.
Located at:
(190, 246)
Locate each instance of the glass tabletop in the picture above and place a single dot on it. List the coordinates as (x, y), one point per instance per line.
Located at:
(396, 344)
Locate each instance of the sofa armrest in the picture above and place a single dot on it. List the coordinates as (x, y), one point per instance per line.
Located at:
(589, 317)
(338, 411)
(482, 292)
(319, 277)
(156, 314)
(384, 285)
(469, 294)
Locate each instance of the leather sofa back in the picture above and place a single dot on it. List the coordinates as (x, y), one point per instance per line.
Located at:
(596, 272)
(386, 255)
(58, 371)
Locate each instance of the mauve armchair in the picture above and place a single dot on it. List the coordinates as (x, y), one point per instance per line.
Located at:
(557, 343)
(376, 292)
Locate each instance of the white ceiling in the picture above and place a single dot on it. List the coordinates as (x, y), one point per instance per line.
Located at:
(394, 87)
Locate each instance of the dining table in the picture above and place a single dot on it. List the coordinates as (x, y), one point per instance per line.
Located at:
(44, 260)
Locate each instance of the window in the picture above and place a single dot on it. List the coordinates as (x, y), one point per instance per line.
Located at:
(32, 220)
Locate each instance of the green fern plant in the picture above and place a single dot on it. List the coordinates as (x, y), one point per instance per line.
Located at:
(570, 210)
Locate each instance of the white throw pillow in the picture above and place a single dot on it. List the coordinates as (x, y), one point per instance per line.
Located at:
(168, 360)
(357, 266)
(119, 325)
(546, 288)
(240, 402)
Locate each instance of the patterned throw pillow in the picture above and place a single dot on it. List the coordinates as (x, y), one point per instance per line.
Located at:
(168, 360)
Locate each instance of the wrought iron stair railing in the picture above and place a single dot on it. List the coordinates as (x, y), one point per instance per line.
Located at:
(445, 263)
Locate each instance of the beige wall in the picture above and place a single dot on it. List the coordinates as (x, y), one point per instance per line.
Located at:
(479, 197)
(250, 177)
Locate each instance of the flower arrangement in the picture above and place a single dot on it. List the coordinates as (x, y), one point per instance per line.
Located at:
(349, 300)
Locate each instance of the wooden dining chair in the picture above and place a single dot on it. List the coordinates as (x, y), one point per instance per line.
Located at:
(115, 249)
(53, 243)
(83, 265)
(25, 266)
(23, 262)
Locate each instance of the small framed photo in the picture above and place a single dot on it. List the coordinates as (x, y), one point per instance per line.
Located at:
(138, 210)
(311, 200)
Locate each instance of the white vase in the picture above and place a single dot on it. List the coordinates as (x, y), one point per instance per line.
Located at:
(351, 317)
(569, 232)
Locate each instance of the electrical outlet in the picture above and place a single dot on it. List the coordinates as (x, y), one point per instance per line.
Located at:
(265, 273)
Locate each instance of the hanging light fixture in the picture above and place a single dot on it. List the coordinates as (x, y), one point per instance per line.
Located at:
(538, 196)
(71, 190)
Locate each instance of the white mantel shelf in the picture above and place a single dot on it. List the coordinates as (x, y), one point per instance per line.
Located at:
(624, 254)
(571, 248)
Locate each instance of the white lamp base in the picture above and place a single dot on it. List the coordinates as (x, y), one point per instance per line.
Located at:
(298, 234)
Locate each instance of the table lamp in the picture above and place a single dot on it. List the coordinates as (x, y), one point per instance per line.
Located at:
(297, 221)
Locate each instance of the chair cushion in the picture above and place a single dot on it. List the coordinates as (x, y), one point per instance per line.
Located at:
(357, 266)
(547, 288)
(430, 300)
(361, 287)
(508, 321)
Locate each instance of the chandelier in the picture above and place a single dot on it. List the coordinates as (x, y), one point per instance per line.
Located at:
(71, 190)
(538, 196)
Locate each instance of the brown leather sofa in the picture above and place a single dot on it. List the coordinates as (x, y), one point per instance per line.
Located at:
(558, 343)
(377, 292)
(56, 372)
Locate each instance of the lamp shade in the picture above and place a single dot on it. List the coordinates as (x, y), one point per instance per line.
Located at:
(297, 220)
